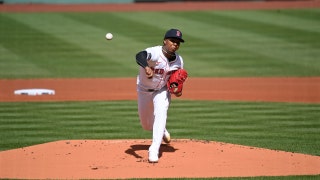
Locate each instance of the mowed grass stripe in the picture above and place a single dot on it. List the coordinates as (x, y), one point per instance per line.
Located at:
(44, 51)
(272, 26)
(51, 49)
(220, 43)
(87, 31)
(284, 126)
(135, 31)
(267, 40)
(305, 20)
(13, 62)
(213, 31)
(306, 14)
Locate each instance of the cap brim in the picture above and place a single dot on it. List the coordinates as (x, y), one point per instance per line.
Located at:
(181, 40)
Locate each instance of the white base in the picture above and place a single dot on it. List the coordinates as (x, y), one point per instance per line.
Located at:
(34, 92)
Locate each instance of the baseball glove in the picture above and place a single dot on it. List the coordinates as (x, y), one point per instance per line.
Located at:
(176, 80)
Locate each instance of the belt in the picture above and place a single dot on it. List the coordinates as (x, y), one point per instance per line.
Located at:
(150, 90)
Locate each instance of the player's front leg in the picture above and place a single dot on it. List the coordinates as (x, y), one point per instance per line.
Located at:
(161, 105)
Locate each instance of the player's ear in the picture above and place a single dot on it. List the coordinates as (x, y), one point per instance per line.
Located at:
(164, 42)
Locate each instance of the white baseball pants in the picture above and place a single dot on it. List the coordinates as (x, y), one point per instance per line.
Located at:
(153, 108)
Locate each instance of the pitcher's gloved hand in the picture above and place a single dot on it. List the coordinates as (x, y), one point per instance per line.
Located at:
(176, 80)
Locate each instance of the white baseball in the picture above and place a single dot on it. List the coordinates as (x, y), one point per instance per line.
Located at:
(109, 36)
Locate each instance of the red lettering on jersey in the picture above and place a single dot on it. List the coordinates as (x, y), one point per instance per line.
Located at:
(158, 71)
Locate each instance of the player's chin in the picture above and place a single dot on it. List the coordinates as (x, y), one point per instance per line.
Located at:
(178, 94)
(173, 49)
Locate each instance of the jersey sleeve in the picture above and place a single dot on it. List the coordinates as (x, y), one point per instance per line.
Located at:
(153, 53)
(141, 58)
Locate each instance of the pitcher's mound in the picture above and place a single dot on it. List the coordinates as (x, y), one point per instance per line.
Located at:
(103, 159)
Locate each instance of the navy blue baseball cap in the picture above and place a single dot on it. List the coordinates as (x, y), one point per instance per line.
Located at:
(174, 33)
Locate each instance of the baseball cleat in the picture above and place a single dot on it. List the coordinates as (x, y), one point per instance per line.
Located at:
(166, 137)
(153, 157)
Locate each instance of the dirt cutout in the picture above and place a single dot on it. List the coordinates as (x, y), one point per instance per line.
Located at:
(305, 90)
(120, 159)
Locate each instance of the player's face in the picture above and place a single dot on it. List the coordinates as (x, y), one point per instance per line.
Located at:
(172, 44)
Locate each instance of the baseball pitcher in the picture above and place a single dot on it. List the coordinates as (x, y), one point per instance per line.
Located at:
(160, 75)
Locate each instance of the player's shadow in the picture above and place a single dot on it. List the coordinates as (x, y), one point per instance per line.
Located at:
(141, 147)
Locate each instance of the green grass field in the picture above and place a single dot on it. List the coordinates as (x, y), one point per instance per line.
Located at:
(283, 126)
(279, 43)
(218, 43)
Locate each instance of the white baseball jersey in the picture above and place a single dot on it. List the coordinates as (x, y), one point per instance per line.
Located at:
(161, 67)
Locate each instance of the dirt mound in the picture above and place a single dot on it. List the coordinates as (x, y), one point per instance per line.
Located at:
(115, 159)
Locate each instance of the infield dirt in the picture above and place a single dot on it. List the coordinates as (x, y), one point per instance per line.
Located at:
(305, 90)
